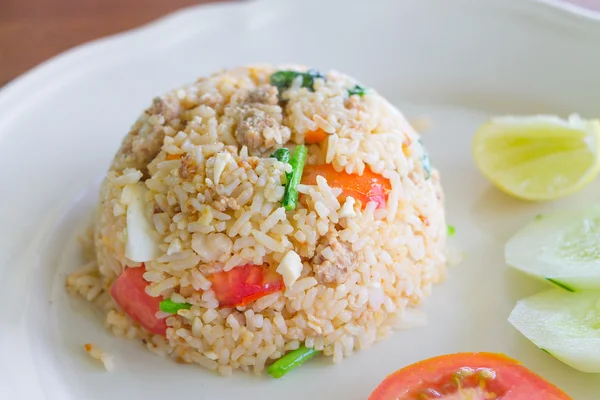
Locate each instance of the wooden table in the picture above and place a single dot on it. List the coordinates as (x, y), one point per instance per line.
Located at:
(32, 31)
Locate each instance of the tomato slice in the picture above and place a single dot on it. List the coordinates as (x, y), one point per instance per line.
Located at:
(476, 376)
(245, 284)
(129, 291)
(366, 187)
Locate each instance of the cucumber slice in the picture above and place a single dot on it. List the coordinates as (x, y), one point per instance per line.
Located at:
(563, 248)
(566, 325)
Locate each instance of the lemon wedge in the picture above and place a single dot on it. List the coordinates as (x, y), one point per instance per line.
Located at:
(540, 157)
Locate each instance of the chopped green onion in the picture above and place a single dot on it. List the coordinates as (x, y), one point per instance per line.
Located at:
(290, 198)
(290, 361)
(451, 230)
(357, 89)
(283, 79)
(169, 306)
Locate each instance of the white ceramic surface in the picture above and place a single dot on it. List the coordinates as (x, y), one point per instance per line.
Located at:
(456, 62)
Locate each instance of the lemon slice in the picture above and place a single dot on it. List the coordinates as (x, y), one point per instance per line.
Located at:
(539, 157)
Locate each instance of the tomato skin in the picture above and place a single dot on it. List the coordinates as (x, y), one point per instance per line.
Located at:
(129, 291)
(366, 187)
(513, 381)
(245, 284)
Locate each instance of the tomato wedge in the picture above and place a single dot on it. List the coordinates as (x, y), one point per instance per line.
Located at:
(129, 291)
(364, 188)
(245, 284)
(476, 376)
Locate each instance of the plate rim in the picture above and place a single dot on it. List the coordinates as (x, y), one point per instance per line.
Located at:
(550, 11)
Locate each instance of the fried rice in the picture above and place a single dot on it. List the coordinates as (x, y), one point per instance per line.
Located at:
(199, 160)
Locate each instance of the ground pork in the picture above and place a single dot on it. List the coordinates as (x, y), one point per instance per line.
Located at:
(258, 120)
(336, 269)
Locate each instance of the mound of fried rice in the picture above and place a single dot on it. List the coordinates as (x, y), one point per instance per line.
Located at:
(213, 197)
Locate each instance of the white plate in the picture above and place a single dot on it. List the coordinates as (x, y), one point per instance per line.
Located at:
(455, 61)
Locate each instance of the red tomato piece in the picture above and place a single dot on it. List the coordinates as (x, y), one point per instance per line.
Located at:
(129, 291)
(477, 376)
(245, 284)
(364, 188)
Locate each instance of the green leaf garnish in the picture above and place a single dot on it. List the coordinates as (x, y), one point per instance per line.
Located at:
(283, 154)
(357, 89)
(282, 80)
(290, 198)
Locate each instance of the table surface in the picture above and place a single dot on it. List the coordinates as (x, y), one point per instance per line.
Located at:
(32, 31)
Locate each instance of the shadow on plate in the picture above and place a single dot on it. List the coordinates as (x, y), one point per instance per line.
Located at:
(500, 215)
